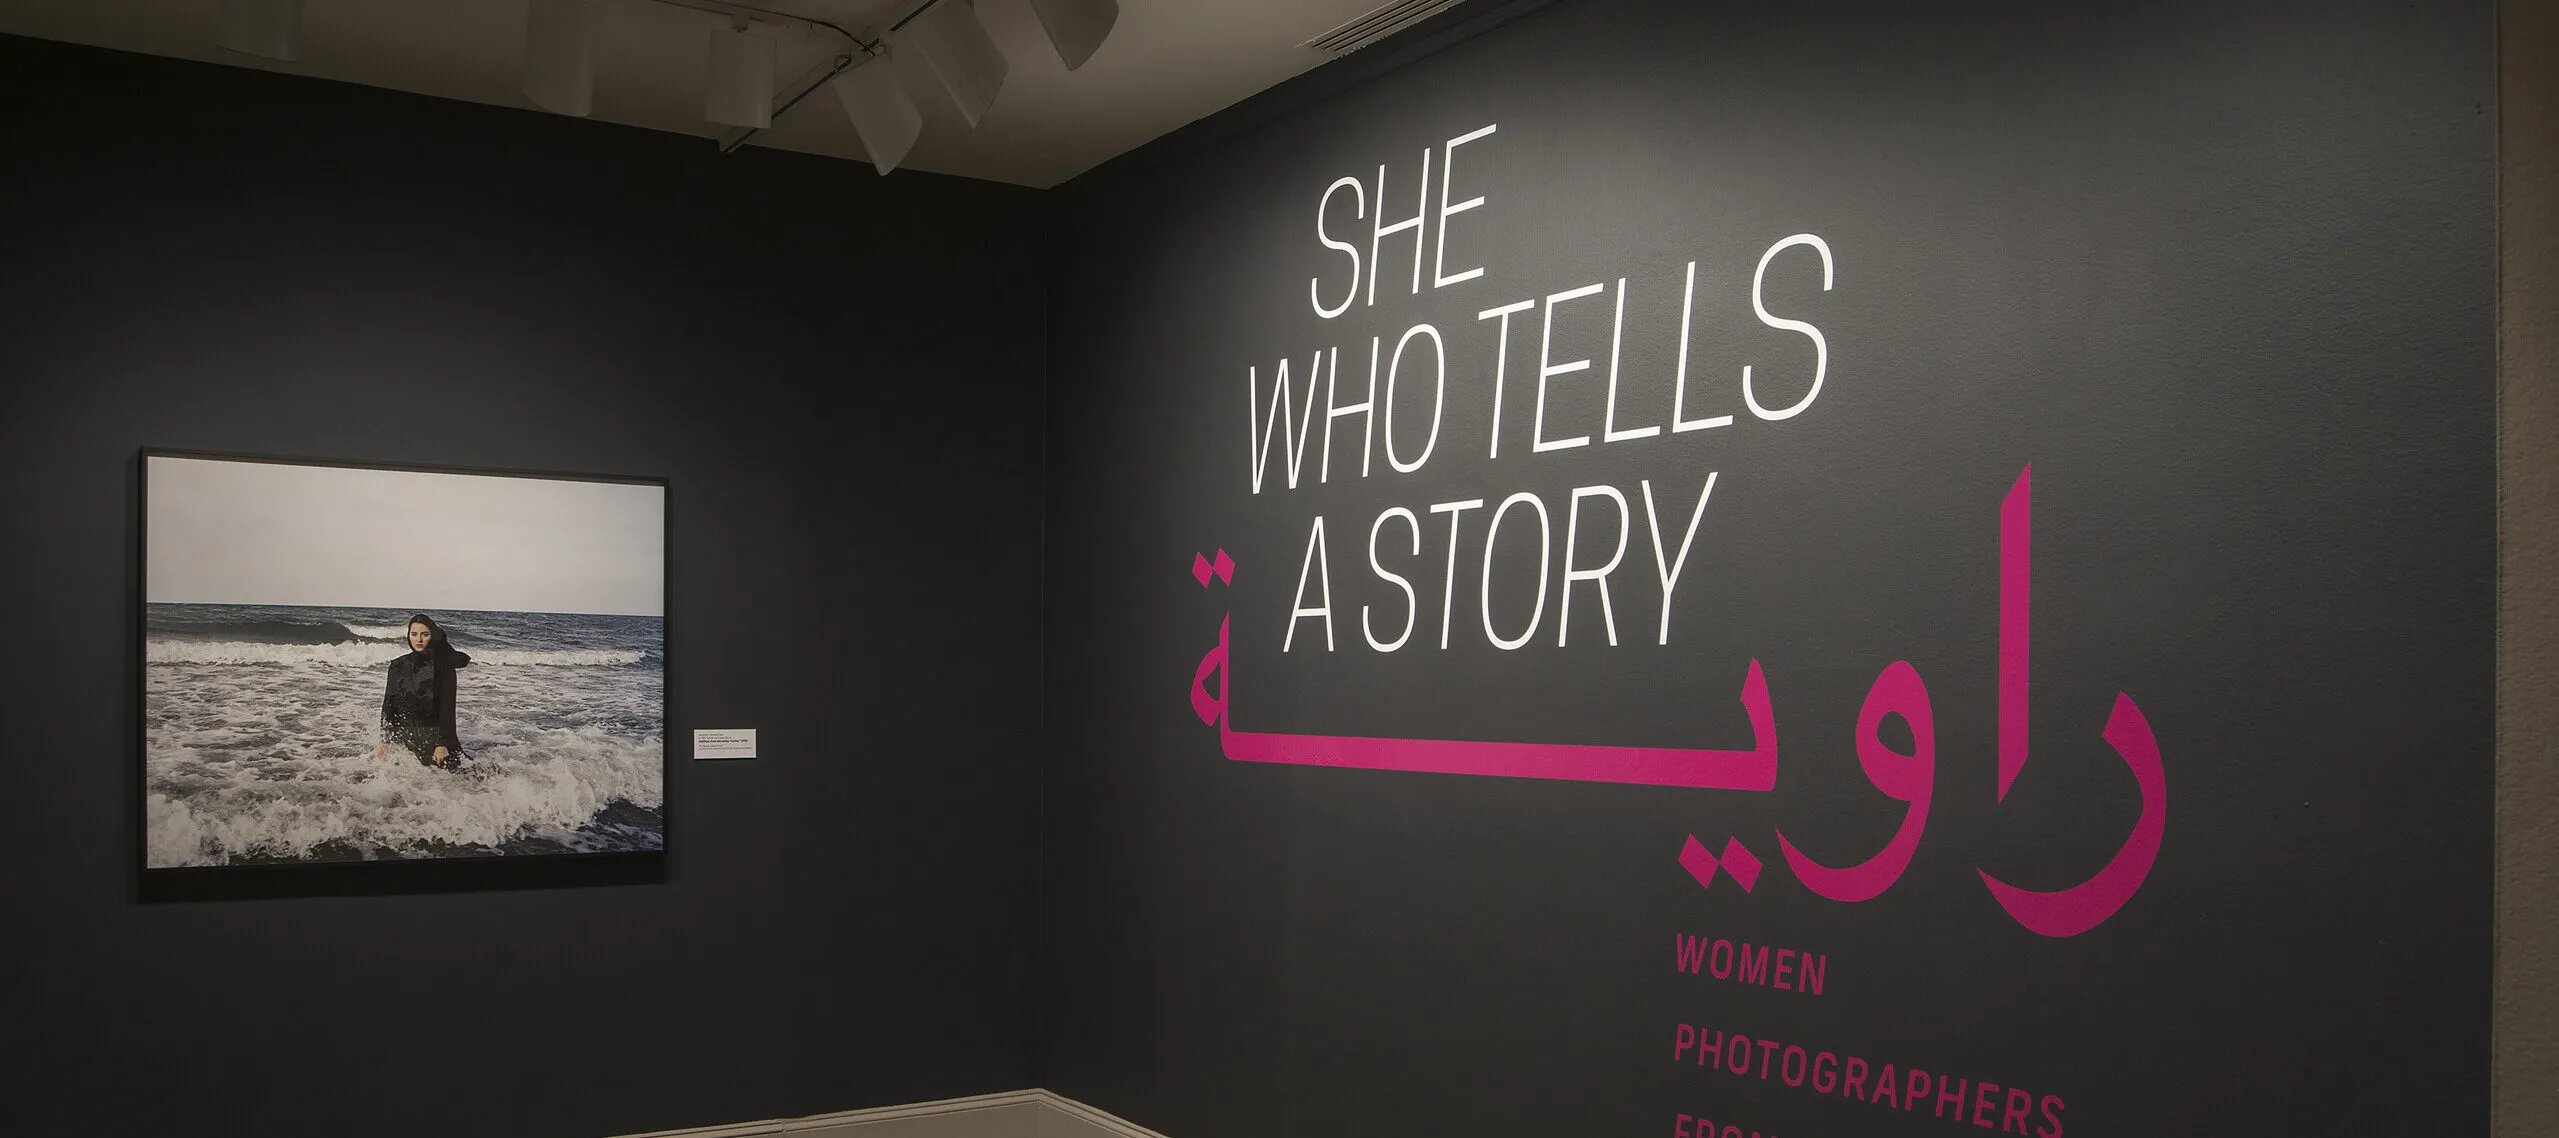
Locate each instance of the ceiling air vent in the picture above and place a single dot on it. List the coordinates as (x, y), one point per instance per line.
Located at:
(1378, 24)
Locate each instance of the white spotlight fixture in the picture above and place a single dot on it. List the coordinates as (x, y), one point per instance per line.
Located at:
(271, 29)
(883, 114)
(741, 81)
(560, 46)
(963, 56)
(1076, 28)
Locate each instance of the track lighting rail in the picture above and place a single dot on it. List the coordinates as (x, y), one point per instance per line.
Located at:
(750, 11)
(947, 41)
(808, 82)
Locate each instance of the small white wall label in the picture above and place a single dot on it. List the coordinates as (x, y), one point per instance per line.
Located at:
(730, 744)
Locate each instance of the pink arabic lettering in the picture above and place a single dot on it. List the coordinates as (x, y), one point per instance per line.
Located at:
(2072, 911)
(1908, 778)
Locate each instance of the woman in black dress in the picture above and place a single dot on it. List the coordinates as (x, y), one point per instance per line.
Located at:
(417, 703)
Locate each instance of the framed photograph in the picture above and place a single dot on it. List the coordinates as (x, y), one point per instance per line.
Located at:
(357, 663)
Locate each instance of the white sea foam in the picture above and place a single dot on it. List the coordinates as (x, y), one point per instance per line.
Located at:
(345, 655)
(549, 783)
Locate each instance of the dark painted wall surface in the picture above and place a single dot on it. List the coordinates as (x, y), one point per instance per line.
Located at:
(838, 373)
(2221, 274)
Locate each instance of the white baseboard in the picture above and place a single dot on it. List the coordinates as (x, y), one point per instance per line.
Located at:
(1032, 1113)
(1063, 1117)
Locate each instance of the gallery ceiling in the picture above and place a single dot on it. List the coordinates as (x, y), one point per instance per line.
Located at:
(1167, 63)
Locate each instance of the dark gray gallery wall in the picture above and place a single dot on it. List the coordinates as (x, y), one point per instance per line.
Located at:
(2528, 568)
(839, 375)
(2223, 273)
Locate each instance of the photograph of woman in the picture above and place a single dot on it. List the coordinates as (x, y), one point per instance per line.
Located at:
(308, 698)
(417, 702)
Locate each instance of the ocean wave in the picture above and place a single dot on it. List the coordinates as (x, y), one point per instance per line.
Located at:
(550, 784)
(359, 655)
(273, 631)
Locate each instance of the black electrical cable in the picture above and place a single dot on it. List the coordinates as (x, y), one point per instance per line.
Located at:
(843, 62)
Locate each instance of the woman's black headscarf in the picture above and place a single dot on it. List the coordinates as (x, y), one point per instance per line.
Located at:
(447, 657)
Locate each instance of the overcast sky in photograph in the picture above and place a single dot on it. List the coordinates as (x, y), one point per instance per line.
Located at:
(265, 533)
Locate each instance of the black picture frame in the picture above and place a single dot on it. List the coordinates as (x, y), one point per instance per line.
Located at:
(391, 876)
